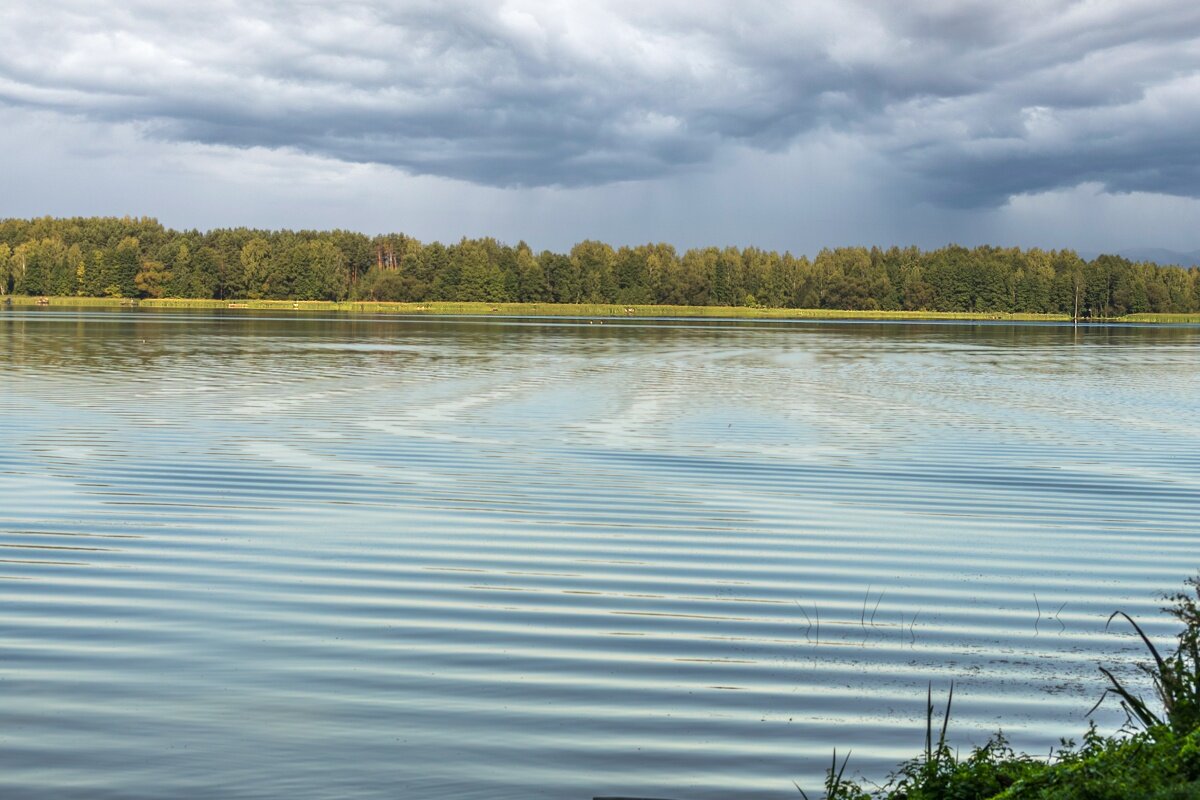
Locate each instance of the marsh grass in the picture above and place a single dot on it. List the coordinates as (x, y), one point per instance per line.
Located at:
(592, 310)
(1179, 319)
(1175, 679)
(1155, 756)
(836, 786)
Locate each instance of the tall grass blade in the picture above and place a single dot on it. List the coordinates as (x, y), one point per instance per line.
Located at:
(1158, 659)
(946, 719)
(929, 722)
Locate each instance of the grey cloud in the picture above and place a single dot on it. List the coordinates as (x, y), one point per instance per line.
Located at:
(977, 100)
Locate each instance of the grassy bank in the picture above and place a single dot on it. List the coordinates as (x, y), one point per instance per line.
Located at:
(531, 309)
(1192, 319)
(1156, 756)
(570, 310)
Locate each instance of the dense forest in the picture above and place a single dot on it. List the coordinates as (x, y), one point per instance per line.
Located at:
(139, 258)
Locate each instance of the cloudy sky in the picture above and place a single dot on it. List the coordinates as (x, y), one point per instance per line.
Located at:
(790, 124)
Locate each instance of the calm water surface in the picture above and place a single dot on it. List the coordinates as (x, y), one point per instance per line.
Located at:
(266, 557)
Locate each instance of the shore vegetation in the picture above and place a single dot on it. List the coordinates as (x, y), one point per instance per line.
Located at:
(125, 258)
(1155, 756)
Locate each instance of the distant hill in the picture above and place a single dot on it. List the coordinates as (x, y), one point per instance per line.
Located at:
(1158, 255)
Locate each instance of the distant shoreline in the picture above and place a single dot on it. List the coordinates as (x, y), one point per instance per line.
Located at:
(613, 310)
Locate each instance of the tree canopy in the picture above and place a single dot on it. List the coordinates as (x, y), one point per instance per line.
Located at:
(138, 257)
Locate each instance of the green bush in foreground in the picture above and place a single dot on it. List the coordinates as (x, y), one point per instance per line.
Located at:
(1157, 763)
(1159, 759)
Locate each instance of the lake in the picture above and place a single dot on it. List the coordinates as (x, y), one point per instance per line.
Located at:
(269, 556)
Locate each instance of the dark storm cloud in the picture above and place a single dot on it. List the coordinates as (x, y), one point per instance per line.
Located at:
(974, 100)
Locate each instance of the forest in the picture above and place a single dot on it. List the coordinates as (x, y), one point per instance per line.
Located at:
(140, 258)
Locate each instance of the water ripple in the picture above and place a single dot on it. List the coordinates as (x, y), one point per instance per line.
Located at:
(256, 556)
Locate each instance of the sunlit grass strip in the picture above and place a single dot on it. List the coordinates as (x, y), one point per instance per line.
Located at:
(1163, 318)
(574, 310)
(534, 309)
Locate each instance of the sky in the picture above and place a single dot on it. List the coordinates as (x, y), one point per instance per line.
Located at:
(788, 124)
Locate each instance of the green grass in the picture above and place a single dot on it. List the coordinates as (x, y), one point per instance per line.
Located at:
(532, 309)
(1157, 756)
(1192, 319)
(573, 310)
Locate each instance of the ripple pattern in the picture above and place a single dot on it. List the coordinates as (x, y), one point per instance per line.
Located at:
(254, 556)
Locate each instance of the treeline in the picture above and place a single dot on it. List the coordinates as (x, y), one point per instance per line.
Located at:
(128, 257)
